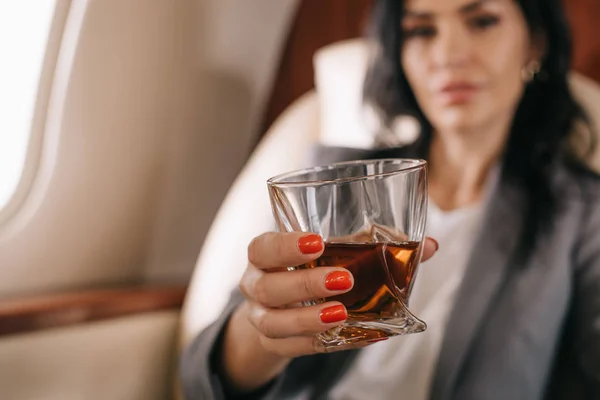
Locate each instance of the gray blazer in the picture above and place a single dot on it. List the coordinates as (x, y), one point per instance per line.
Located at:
(531, 332)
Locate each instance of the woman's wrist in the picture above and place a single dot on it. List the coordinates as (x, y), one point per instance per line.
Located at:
(247, 365)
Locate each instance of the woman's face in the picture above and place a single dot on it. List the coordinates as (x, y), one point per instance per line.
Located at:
(464, 60)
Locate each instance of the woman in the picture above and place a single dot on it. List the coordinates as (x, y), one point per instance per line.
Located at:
(512, 297)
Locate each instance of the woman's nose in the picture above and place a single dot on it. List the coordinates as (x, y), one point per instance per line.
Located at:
(452, 47)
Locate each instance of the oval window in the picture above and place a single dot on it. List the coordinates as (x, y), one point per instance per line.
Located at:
(24, 31)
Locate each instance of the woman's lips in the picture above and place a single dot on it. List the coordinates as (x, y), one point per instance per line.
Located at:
(457, 93)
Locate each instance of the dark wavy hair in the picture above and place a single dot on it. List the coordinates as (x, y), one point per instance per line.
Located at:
(543, 120)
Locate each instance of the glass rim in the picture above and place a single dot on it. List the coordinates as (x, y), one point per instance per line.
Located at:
(414, 164)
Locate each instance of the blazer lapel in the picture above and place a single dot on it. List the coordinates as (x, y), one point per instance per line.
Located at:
(486, 271)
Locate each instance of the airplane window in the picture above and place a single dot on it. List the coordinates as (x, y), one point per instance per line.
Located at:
(24, 31)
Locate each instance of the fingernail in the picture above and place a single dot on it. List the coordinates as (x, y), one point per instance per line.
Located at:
(333, 314)
(338, 280)
(435, 242)
(310, 244)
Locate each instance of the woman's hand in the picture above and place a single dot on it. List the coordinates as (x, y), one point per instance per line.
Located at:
(271, 327)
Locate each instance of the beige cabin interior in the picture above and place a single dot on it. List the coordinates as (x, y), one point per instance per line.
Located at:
(153, 128)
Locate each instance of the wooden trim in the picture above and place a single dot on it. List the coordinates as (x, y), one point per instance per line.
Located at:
(30, 314)
(317, 23)
(583, 16)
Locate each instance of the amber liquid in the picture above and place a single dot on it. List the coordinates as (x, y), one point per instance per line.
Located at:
(383, 276)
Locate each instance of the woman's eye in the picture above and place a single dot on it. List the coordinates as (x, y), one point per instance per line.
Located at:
(422, 31)
(484, 22)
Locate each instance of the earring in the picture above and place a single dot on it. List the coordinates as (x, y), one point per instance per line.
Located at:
(529, 72)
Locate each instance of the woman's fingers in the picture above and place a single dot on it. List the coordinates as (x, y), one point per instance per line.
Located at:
(296, 346)
(275, 250)
(270, 251)
(430, 246)
(283, 288)
(292, 332)
(303, 321)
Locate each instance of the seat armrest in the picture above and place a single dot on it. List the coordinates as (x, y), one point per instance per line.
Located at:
(39, 312)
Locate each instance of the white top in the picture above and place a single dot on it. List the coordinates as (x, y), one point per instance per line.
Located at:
(405, 364)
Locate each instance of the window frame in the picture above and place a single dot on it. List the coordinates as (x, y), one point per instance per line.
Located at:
(40, 114)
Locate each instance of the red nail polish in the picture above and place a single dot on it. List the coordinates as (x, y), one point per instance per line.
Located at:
(333, 314)
(310, 244)
(338, 280)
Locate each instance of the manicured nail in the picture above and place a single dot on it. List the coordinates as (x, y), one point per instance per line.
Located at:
(333, 314)
(310, 244)
(435, 242)
(338, 280)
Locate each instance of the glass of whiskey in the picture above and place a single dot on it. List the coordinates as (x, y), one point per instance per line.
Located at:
(371, 215)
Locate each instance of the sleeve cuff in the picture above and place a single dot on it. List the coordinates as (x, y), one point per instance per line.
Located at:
(202, 375)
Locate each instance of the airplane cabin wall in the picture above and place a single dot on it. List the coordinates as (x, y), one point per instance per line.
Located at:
(151, 111)
(238, 46)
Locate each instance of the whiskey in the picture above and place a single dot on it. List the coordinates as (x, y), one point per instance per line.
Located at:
(383, 278)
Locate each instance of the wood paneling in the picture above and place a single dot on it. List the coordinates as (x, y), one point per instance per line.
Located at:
(317, 23)
(583, 16)
(31, 314)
